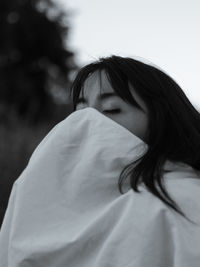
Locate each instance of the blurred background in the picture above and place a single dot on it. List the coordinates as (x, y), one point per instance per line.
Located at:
(44, 43)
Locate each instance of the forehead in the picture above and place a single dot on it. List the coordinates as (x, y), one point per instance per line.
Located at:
(97, 81)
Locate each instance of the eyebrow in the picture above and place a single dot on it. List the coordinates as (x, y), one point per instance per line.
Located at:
(101, 97)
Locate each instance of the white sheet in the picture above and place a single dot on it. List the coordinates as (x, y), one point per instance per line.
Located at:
(65, 209)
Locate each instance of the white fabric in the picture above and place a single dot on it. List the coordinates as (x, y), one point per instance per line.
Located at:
(65, 209)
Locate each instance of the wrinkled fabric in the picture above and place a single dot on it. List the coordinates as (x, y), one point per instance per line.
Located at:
(65, 209)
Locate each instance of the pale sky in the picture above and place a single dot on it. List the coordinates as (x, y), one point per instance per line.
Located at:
(166, 33)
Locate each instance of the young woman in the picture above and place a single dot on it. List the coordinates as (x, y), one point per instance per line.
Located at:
(130, 120)
(151, 105)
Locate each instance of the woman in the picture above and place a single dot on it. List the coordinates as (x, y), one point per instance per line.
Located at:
(66, 209)
(151, 105)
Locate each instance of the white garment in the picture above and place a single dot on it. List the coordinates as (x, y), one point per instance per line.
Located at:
(65, 209)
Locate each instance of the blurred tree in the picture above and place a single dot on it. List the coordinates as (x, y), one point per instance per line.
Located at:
(34, 61)
(35, 71)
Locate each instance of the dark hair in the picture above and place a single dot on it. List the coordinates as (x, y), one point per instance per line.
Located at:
(173, 126)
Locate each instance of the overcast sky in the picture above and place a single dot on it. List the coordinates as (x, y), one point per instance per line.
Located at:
(164, 32)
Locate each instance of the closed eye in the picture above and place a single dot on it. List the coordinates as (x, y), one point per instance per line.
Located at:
(112, 111)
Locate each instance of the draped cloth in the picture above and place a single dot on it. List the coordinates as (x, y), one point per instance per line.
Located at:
(65, 209)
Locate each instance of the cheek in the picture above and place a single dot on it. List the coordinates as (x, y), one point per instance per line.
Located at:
(135, 123)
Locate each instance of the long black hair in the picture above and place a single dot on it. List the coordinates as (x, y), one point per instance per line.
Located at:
(173, 126)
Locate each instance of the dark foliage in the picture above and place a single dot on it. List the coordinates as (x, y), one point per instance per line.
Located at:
(34, 61)
(35, 65)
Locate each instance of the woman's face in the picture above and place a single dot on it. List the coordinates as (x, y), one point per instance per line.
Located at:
(113, 106)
